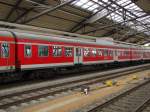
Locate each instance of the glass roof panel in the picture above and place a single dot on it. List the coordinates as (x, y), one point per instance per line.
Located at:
(89, 3)
(91, 8)
(95, 6)
(118, 10)
(79, 3)
(122, 1)
(85, 6)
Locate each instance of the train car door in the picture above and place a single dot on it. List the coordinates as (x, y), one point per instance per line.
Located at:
(115, 55)
(78, 55)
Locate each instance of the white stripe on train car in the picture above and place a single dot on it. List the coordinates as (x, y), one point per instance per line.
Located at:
(98, 62)
(146, 58)
(4, 68)
(120, 60)
(45, 65)
(136, 59)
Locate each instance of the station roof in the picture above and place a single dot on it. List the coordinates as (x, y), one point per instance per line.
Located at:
(123, 20)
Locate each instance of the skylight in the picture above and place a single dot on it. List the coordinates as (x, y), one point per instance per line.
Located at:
(118, 14)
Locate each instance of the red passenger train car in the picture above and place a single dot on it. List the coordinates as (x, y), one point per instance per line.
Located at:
(22, 50)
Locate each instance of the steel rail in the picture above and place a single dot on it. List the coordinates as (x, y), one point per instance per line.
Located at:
(142, 107)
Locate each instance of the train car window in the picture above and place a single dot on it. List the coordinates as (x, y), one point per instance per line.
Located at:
(116, 53)
(86, 51)
(94, 52)
(122, 53)
(99, 52)
(68, 51)
(119, 53)
(78, 51)
(28, 51)
(43, 50)
(57, 51)
(105, 52)
(125, 53)
(128, 53)
(4, 50)
(111, 53)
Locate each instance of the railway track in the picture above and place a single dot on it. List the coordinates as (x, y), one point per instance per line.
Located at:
(144, 107)
(17, 97)
(136, 99)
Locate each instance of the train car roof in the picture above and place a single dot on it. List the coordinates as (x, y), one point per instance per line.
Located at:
(51, 37)
(6, 33)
